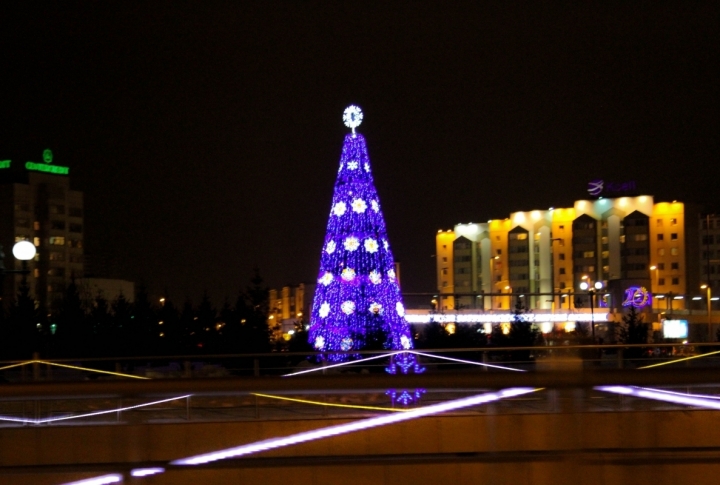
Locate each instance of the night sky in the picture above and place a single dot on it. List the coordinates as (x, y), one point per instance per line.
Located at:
(206, 135)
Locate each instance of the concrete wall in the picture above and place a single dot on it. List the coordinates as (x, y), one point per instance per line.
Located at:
(661, 447)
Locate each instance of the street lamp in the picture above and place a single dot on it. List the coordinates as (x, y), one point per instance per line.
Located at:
(23, 251)
(585, 286)
(709, 310)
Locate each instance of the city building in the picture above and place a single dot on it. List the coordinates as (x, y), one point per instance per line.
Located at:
(290, 306)
(37, 204)
(666, 248)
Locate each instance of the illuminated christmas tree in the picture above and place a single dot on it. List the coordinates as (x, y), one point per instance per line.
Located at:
(357, 299)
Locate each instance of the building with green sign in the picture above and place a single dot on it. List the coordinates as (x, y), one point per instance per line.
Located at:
(37, 204)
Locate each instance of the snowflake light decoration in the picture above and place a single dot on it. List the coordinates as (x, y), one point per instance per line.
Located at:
(375, 206)
(386, 244)
(405, 342)
(330, 248)
(351, 243)
(375, 277)
(352, 165)
(391, 274)
(319, 342)
(324, 310)
(376, 308)
(371, 245)
(367, 167)
(326, 279)
(359, 206)
(352, 117)
(339, 209)
(348, 274)
(346, 344)
(348, 307)
(400, 309)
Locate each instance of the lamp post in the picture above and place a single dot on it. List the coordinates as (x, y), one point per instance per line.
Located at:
(709, 309)
(585, 286)
(23, 251)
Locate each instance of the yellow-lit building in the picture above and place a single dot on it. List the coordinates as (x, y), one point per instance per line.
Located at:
(545, 255)
(288, 308)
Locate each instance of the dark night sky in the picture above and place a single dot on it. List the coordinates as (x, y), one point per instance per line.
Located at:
(206, 135)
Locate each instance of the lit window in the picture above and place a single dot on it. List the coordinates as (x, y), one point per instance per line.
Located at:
(674, 251)
(641, 237)
(36, 225)
(622, 239)
(36, 242)
(589, 254)
(661, 252)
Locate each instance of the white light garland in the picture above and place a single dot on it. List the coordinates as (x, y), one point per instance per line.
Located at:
(348, 307)
(324, 310)
(375, 277)
(371, 245)
(348, 274)
(330, 248)
(339, 209)
(326, 279)
(346, 344)
(359, 206)
(376, 308)
(351, 243)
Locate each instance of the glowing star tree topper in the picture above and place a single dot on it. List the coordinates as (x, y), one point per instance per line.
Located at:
(357, 301)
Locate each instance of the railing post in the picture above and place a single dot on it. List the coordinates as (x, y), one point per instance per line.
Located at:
(620, 358)
(188, 369)
(485, 360)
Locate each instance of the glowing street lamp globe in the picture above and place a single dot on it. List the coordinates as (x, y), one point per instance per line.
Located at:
(598, 285)
(24, 250)
(584, 286)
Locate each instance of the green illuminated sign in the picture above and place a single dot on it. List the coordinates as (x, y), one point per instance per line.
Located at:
(41, 167)
(47, 158)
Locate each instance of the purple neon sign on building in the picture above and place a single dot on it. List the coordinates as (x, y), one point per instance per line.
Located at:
(357, 298)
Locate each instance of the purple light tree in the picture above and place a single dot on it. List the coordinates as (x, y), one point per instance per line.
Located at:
(358, 296)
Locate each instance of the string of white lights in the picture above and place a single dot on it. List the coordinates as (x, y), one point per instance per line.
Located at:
(658, 395)
(350, 427)
(94, 413)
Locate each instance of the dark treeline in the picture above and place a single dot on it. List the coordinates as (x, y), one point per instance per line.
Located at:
(121, 328)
